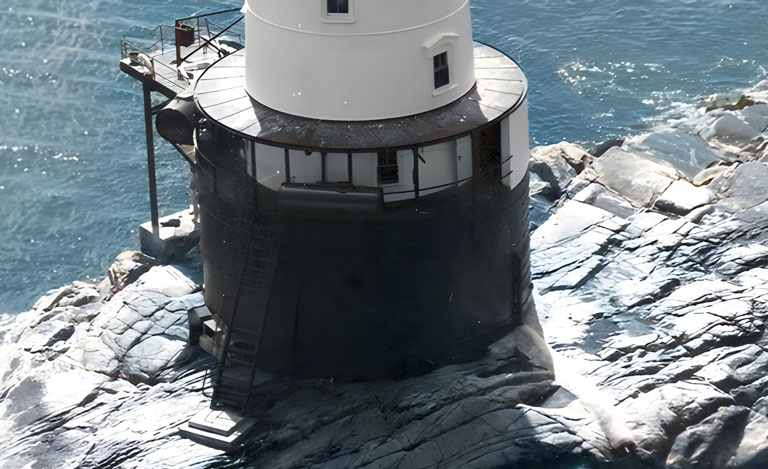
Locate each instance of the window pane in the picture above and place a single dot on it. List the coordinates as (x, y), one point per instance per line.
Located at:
(338, 7)
(387, 170)
(442, 76)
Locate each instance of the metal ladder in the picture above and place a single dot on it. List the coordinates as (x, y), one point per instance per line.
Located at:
(238, 352)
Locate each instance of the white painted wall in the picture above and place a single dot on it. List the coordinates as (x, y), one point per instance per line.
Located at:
(305, 168)
(336, 167)
(375, 64)
(445, 163)
(270, 166)
(515, 141)
(438, 168)
(364, 169)
(464, 158)
(405, 171)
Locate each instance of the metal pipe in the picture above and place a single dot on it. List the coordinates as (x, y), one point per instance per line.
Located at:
(208, 42)
(209, 14)
(253, 161)
(324, 162)
(349, 167)
(287, 166)
(151, 158)
(416, 158)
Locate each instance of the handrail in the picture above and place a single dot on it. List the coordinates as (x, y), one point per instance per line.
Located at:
(126, 46)
(208, 41)
(209, 14)
(460, 181)
(154, 42)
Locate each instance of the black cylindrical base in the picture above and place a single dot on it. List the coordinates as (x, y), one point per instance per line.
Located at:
(424, 283)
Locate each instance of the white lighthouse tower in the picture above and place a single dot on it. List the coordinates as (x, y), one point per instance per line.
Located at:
(358, 60)
(361, 176)
(399, 74)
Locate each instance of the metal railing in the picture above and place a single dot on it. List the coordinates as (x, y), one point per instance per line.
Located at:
(208, 42)
(457, 183)
(127, 48)
(161, 40)
(155, 42)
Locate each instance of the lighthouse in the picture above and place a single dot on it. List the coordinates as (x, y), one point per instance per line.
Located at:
(360, 173)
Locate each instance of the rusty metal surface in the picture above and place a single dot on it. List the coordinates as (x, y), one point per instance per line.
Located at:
(501, 87)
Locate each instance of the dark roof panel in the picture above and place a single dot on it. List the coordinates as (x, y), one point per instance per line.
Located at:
(500, 88)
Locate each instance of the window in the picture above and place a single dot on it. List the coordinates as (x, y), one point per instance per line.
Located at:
(338, 7)
(442, 76)
(387, 170)
(337, 11)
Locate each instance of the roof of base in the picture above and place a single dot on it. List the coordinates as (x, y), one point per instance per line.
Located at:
(500, 89)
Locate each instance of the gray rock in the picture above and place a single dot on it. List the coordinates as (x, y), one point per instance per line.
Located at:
(742, 258)
(742, 186)
(739, 369)
(108, 347)
(688, 334)
(576, 156)
(711, 443)
(623, 344)
(144, 361)
(728, 101)
(569, 222)
(657, 416)
(554, 165)
(688, 153)
(598, 196)
(756, 116)
(728, 128)
(682, 197)
(705, 176)
(752, 450)
(539, 186)
(638, 179)
(600, 149)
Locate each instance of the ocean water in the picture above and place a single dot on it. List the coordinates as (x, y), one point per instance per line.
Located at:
(72, 161)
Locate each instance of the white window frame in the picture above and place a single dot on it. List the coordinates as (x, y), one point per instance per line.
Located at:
(437, 45)
(445, 67)
(326, 17)
(397, 158)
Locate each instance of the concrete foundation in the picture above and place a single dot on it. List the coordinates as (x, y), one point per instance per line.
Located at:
(177, 234)
(220, 429)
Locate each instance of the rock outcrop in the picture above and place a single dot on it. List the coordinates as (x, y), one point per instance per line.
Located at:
(91, 382)
(662, 308)
(101, 376)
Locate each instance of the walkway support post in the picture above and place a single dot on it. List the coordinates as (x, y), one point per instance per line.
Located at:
(151, 158)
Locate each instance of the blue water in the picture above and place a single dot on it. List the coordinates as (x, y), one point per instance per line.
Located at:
(72, 161)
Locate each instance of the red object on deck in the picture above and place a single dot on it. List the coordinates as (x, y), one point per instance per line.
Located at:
(185, 35)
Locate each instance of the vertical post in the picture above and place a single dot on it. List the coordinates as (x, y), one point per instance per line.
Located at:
(253, 161)
(416, 172)
(176, 42)
(349, 167)
(151, 158)
(287, 166)
(324, 162)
